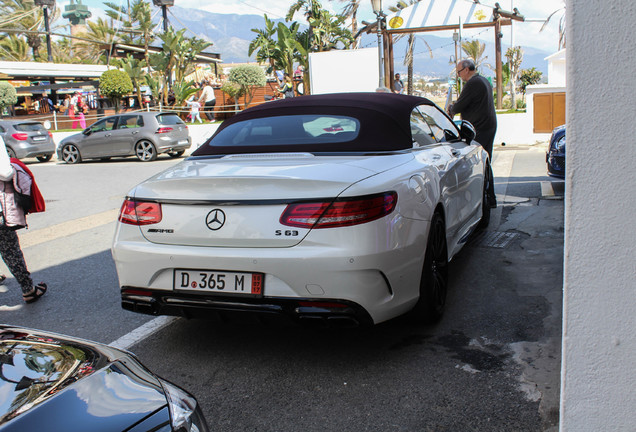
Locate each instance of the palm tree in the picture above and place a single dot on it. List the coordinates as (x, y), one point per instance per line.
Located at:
(101, 32)
(14, 48)
(24, 15)
(561, 24)
(350, 11)
(177, 54)
(142, 16)
(475, 51)
(133, 68)
(410, 47)
(264, 44)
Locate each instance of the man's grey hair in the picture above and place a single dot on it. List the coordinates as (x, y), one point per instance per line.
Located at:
(467, 63)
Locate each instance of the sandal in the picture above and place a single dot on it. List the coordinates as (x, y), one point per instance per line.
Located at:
(35, 294)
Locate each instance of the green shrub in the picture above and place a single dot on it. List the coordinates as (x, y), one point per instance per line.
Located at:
(248, 77)
(8, 95)
(114, 84)
(521, 104)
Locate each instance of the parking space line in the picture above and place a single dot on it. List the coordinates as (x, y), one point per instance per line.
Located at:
(142, 332)
(546, 189)
(54, 232)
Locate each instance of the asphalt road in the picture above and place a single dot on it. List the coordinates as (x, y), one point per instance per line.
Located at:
(492, 364)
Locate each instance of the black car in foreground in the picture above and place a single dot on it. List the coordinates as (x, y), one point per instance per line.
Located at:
(50, 382)
(555, 156)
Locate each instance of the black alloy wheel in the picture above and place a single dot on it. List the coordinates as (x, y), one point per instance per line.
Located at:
(71, 154)
(44, 158)
(10, 152)
(434, 282)
(485, 200)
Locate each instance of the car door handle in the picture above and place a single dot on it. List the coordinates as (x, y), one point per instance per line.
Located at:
(135, 132)
(107, 135)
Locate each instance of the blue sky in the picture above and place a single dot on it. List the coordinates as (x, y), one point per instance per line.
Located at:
(525, 34)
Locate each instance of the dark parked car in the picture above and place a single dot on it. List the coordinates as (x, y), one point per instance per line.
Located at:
(26, 139)
(50, 382)
(141, 134)
(555, 156)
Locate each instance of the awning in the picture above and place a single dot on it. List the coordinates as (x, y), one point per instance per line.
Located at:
(68, 85)
(443, 15)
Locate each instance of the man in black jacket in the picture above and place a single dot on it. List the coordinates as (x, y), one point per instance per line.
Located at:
(476, 104)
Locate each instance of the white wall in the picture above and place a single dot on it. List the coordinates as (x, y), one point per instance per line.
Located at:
(343, 71)
(598, 388)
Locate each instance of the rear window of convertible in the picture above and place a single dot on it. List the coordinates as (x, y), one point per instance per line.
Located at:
(302, 130)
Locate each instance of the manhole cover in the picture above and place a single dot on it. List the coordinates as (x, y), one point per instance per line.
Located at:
(495, 239)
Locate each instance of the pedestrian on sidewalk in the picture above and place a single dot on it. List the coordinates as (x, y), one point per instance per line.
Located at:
(476, 105)
(12, 218)
(194, 111)
(208, 100)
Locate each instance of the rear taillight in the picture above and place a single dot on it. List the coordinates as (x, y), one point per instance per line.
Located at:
(140, 213)
(20, 136)
(162, 130)
(344, 212)
(50, 134)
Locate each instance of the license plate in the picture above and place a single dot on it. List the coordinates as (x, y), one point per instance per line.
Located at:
(39, 138)
(182, 142)
(219, 282)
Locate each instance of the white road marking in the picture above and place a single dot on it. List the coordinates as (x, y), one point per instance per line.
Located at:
(142, 332)
(61, 230)
(501, 168)
(546, 189)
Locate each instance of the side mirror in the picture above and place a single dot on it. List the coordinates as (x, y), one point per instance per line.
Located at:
(467, 131)
(87, 131)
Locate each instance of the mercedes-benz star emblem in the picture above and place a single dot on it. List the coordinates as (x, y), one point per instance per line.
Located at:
(215, 219)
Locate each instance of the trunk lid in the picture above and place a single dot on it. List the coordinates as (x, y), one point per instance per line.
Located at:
(237, 201)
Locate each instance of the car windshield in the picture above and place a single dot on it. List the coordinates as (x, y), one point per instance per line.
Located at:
(288, 130)
(169, 119)
(29, 127)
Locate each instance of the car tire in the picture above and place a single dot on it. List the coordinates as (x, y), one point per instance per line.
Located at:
(71, 154)
(176, 154)
(44, 158)
(485, 201)
(434, 281)
(145, 151)
(10, 152)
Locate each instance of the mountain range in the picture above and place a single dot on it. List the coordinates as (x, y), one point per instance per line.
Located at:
(231, 35)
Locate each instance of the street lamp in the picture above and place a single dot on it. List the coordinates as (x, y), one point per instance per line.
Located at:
(46, 4)
(377, 10)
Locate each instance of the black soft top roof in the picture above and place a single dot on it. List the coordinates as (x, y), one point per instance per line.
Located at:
(384, 121)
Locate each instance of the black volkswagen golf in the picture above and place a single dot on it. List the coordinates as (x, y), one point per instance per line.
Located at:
(50, 382)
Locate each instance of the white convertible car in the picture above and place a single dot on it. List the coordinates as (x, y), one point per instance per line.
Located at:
(341, 209)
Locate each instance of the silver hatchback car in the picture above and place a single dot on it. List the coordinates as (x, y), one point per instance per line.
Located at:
(141, 134)
(27, 138)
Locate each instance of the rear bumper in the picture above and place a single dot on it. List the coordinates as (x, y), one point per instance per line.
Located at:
(25, 150)
(312, 312)
(359, 268)
(168, 144)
